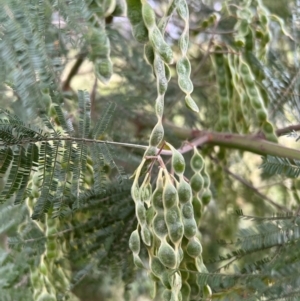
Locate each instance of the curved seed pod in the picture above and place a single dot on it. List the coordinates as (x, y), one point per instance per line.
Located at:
(207, 293)
(140, 32)
(138, 262)
(141, 212)
(167, 255)
(149, 53)
(157, 135)
(146, 235)
(148, 15)
(190, 103)
(134, 242)
(194, 248)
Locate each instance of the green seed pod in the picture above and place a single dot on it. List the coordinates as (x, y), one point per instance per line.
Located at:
(174, 224)
(134, 242)
(167, 295)
(167, 255)
(148, 15)
(197, 162)
(146, 192)
(262, 114)
(182, 10)
(196, 182)
(190, 103)
(267, 127)
(170, 196)
(178, 163)
(149, 53)
(150, 215)
(167, 73)
(104, 69)
(194, 248)
(207, 293)
(187, 211)
(166, 53)
(185, 85)
(134, 11)
(206, 179)
(157, 268)
(185, 291)
(138, 262)
(159, 226)
(197, 209)
(141, 212)
(157, 199)
(184, 43)
(190, 228)
(184, 191)
(244, 69)
(206, 197)
(165, 280)
(146, 235)
(183, 67)
(140, 32)
(120, 8)
(157, 135)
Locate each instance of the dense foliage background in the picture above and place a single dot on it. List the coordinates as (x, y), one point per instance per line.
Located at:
(77, 110)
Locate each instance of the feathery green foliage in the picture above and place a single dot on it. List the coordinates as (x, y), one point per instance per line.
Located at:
(134, 175)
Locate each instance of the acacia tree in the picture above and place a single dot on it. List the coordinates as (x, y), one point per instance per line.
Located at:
(147, 173)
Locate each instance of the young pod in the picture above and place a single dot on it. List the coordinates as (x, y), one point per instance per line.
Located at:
(184, 191)
(170, 196)
(134, 242)
(146, 235)
(178, 162)
(157, 135)
(148, 15)
(167, 255)
(157, 268)
(157, 199)
(206, 197)
(190, 103)
(196, 182)
(159, 226)
(197, 162)
(194, 247)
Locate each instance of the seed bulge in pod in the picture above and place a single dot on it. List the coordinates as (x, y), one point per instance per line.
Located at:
(184, 192)
(157, 199)
(146, 235)
(170, 195)
(194, 248)
(167, 255)
(157, 135)
(178, 163)
(185, 291)
(196, 182)
(197, 161)
(134, 242)
(159, 226)
(156, 267)
(190, 228)
(206, 197)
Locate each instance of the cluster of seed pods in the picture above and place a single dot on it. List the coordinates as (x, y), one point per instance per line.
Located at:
(168, 220)
(241, 92)
(50, 282)
(167, 227)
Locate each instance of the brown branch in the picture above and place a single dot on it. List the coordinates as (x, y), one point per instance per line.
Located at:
(73, 71)
(287, 130)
